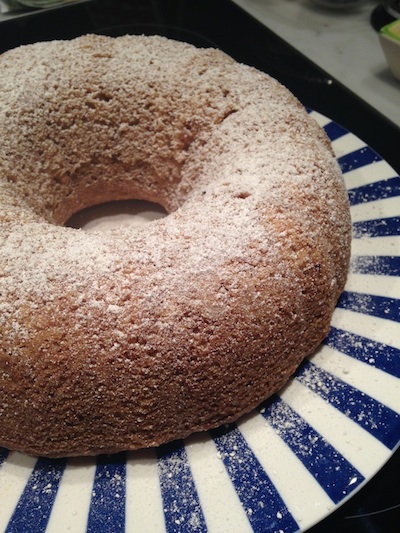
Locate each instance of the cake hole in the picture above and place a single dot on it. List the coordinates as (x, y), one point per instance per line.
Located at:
(103, 96)
(119, 214)
(243, 195)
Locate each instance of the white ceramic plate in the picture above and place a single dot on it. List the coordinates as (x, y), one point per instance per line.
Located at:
(287, 465)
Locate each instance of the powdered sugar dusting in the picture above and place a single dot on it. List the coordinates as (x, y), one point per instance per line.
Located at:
(256, 240)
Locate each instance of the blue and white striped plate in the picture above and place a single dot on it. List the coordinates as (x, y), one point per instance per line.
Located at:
(288, 464)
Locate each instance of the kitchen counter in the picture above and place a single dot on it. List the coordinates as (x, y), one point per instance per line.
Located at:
(342, 42)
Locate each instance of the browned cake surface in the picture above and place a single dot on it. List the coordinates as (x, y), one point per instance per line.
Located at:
(133, 337)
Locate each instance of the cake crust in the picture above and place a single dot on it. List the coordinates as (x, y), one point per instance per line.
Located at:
(131, 338)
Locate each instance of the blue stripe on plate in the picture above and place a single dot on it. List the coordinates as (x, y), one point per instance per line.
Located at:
(376, 354)
(3, 455)
(381, 265)
(330, 469)
(371, 192)
(258, 495)
(380, 421)
(369, 304)
(334, 131)
(358, 158)
(381, 227)
(182, 509)
(32, 512)
(107, 505)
